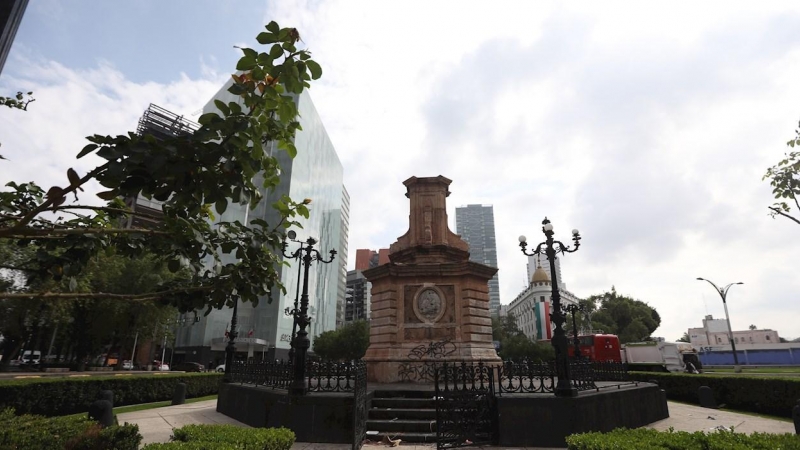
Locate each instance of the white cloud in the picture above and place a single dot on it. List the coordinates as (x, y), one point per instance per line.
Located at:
(646, 126)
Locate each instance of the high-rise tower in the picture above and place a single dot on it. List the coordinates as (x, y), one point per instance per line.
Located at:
(475, 224)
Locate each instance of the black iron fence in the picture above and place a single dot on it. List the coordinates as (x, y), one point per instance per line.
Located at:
(332, 376)
(321, 376)
(526, 377)
(274, 374)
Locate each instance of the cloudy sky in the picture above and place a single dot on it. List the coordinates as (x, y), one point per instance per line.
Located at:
(648, 128)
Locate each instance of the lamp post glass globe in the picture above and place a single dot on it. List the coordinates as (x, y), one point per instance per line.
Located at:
(523, 239)
(291, 234)
(548, 227)
(575, 232)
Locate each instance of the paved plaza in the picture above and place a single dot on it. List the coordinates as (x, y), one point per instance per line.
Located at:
(156, 424)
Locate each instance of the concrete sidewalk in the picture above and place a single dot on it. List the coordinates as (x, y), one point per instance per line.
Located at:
(155, 425)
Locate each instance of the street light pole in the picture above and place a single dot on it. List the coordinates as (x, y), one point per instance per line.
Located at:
(723, 292)
(301, 341)
(293, 312)
(230, 349)
(574, 309)
(550, 248)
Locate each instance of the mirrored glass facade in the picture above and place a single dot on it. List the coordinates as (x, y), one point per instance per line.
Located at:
(315, 173)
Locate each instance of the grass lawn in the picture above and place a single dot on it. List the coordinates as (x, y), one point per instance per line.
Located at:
(144, 406)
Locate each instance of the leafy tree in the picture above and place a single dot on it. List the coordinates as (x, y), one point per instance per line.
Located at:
(18, 101)
(784, 178)
(347, 343)
(753, 327)
(684, 338)
(193, 176)
(631, 320)
(514, 345)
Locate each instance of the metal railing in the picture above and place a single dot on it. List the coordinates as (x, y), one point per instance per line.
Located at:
(274, 374)
(331, 376)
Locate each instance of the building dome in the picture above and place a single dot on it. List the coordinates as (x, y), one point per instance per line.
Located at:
(540, 276)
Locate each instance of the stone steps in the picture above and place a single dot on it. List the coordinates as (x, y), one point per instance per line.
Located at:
(407, 415)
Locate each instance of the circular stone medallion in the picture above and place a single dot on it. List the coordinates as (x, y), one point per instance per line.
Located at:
(429, 305)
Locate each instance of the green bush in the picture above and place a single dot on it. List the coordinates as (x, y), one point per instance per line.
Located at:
(643, 438)
(73, 433)
(774, 396)
(62, 396)
(224, 437)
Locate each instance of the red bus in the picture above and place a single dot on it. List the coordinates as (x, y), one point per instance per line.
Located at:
(597, 347)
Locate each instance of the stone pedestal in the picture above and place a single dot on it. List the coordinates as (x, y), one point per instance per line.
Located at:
(429, 304)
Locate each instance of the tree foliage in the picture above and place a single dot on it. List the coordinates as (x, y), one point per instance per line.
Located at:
(631, 320)
(19, 101)
(193, 176)
(784, 178)
(347, 343)
(514, 345)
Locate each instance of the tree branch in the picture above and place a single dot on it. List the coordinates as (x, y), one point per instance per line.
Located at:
(781, 213)
(47, 203)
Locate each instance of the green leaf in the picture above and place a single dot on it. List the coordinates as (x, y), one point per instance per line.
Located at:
(273, 27)
(246, 63)
(174, 265)
(316, 70)
(276, 51)
(86, 150)
(74, 179)
(73, 284)
(222, 107)
(264, 38)
(108, 195)
(221, 205)
(249, 52)
(207, 118)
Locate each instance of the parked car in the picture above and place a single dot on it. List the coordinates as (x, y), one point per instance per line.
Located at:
(127, 365)
(221, 368)
(32, 358)
(158, 365)
(189, 367)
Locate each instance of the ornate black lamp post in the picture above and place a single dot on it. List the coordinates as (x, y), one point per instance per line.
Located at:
(723, 292)
(301, 342)
(230, 349)
(573, 309)
(294, 311)
(551, 247)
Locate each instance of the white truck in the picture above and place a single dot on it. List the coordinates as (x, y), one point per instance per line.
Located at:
(652, 356)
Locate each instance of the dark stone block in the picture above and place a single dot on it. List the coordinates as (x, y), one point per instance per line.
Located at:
(536, 420)
(107, 395)
(706, 396)
(179, 395)
(313, 417)
(103, 412)
(796, 417)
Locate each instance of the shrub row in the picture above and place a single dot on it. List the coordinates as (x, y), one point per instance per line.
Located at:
(62, 396)
(226, 437)
(774, 396)
(643, 438)
(73, 433)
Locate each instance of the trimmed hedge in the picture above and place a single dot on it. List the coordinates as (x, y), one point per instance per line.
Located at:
(227, 437)
(73, 433)
(774, 396)
(63, 396)
(643, 438)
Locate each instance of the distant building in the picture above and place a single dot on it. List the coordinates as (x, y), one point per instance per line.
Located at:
(532, 307)
(715, 333)
(11, 12)
(475, 224)
(541, 260)
(367, 259)
(161, 124)
(358, 297)
(341, 300)
(502, 311)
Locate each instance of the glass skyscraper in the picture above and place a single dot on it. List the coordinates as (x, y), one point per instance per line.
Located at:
(475, 224)
(315, 173)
